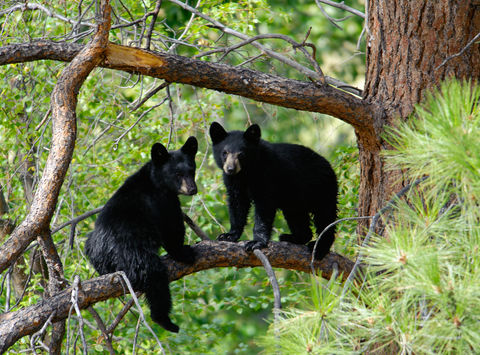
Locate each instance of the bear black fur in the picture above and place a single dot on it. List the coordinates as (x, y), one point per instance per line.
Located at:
(289, 177)
(143, 215)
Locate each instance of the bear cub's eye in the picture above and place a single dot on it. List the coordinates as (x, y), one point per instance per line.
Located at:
(224, 154)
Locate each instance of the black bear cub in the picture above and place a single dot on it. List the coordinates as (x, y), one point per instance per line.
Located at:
(142, 216)
(289, 177)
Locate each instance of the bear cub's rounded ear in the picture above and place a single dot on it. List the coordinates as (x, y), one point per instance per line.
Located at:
(159, 154)
(217, 133)
(191, 146)
(253, 133)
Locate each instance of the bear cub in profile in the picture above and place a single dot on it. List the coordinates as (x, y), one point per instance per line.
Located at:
(142, 216)
(289, 177)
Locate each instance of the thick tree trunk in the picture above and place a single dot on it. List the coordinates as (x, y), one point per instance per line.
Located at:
(407, 45)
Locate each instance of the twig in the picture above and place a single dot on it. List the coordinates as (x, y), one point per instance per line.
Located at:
(251, 59)
(306, 71)
(172, 117)
(44, 119)
(469, 44)
(115, 143)
(196, 229)
(332, 20)
(80, 17)
(137, 328)
(74, 222)
(34, 6)
(152, 24)
(187, 27)
(8, 291)
(139, 308)
(120, 316)
(101, 326)
(212, 216)
(27, 281)
(277, 304)
(294, 44)
(325, 230)
(150, 94)
(40, 333)
(341, 6)
(56, 281)
(74, 299)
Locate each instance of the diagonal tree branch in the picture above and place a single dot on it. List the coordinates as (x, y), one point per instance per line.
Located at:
(63, 102)
(209, 254)
(272, 89)
(341, 5)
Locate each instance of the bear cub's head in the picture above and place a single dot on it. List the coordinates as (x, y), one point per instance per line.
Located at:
(234, 150)
(176, 169)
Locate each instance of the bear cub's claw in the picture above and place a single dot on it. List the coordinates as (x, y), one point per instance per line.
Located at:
(255, 244)
(228, 237)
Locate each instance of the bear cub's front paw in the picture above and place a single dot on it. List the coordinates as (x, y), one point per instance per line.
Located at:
(228, 237)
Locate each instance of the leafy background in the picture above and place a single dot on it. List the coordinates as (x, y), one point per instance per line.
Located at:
(222, 310)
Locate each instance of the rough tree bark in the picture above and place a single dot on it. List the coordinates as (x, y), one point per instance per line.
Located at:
(407, 43)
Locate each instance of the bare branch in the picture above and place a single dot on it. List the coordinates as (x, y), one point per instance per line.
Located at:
(120, 315)
(196, 229)
(295, 45)
(332, 20)
(152, 24)
(74, 300)
(306, 71)
(277, 302)
(342, 6)
(64, 100)
(469, 44)
(103, 329)
(149, 95)
(35, 6)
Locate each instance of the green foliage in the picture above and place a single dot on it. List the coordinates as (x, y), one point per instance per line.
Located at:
(219, 311)
(445, 142)
(421, 286)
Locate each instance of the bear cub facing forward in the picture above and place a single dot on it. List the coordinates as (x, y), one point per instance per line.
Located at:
(289, 177)
(143, 215)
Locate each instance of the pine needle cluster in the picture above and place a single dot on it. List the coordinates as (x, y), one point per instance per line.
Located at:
(421, 288)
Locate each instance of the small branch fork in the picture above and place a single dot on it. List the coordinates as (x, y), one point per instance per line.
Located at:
(338, 5)
(295, 45)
